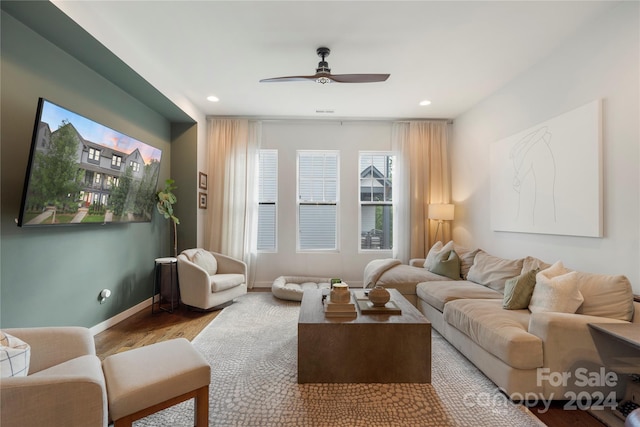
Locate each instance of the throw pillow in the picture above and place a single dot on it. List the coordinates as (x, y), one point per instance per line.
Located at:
(448, 265)
(558, 293)
(207, 261)
(491, 271)
(437, 249)
(556, 269)
(15, 356)
(518, 290)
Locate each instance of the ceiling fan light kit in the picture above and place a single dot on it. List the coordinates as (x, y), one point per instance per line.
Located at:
(323, 74)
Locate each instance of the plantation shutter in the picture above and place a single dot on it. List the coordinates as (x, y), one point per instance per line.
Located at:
(267, 199)
(317, 200)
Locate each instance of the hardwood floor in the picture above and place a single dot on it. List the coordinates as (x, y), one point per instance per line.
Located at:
(145, 328)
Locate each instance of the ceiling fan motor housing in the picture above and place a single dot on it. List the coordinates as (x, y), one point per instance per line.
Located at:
(323, 66)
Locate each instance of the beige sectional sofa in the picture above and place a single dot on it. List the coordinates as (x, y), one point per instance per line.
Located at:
(524, 349)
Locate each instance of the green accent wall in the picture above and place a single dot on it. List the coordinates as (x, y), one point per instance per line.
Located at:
(184, 158)
(52, 276)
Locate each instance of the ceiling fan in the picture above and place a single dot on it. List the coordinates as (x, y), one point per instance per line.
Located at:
(323, 74)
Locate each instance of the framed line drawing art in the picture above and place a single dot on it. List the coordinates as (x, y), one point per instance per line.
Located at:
(547, 179)
(202, 180)
(202, 200)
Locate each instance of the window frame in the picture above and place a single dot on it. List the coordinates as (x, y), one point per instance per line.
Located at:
(336, 202)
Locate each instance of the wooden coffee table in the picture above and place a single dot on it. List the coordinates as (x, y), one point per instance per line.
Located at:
(371, 348)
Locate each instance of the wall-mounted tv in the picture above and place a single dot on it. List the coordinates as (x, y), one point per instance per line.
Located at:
(82, 172)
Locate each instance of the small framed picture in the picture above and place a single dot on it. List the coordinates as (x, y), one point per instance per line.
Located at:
(202, 180)
(202, 200)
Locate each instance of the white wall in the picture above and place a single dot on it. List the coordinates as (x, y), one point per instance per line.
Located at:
(350, 137)
(600, 61)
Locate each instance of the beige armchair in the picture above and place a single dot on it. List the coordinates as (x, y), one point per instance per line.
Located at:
(209, 279)
(65, 385)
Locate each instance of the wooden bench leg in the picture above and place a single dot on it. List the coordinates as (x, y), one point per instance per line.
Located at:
(201, 407)
(200, 403)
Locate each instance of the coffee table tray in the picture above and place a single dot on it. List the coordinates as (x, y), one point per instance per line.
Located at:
(367, 307)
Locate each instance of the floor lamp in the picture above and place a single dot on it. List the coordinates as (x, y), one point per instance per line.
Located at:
(441, 213)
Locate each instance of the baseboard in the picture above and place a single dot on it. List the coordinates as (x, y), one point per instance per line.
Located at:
(262, 284)
(103, 326)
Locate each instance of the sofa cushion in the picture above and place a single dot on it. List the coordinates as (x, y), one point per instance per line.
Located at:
(605, 296)
(502, 333)
(404, 278)
(221, 282)
(447, 264)
(438, 293)
(206, 260)
(15, 356)
(492, 271)
(518, 291)
(556, 292)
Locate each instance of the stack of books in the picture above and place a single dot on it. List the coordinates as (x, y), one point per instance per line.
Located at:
(333, 309)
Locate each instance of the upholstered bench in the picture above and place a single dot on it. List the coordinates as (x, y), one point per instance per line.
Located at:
(151, 378)
(292, 287)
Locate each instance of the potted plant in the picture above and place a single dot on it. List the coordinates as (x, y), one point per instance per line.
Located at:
(166, 200)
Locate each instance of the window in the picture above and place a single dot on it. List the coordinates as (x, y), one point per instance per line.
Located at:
(97, 178)
(267, 199)
(135, 166)
(317, 200)
(94, 155)
(116, 161)
(376, 201)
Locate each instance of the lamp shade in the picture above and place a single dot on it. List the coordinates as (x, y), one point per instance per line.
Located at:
(441, 212)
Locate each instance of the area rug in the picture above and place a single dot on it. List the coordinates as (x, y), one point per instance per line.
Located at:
(252, 349)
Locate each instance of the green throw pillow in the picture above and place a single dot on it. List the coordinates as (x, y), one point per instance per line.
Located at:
(518, 290)
(447, 264)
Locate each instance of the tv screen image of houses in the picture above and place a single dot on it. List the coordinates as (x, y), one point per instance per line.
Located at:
(82, 172)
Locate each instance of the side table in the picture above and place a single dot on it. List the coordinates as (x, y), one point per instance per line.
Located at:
(165, 285)
(619, 347)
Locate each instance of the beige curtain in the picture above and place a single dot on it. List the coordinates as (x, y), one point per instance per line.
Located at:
(421, 178)
(232, 214)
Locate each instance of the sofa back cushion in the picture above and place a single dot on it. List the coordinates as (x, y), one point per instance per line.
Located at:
(531, 263)
(491, 271)
(466, 259)
(605, 296)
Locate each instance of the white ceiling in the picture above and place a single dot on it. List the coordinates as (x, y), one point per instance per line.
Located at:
(454, 53)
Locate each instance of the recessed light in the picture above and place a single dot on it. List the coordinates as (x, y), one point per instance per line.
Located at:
(212, 98)
(425, 102)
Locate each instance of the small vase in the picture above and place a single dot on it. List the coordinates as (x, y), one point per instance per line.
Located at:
(340, 293)
(379, 296)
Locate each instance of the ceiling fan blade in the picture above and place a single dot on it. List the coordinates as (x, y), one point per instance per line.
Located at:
(359, 78)
(289, 79)
(323, 74)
